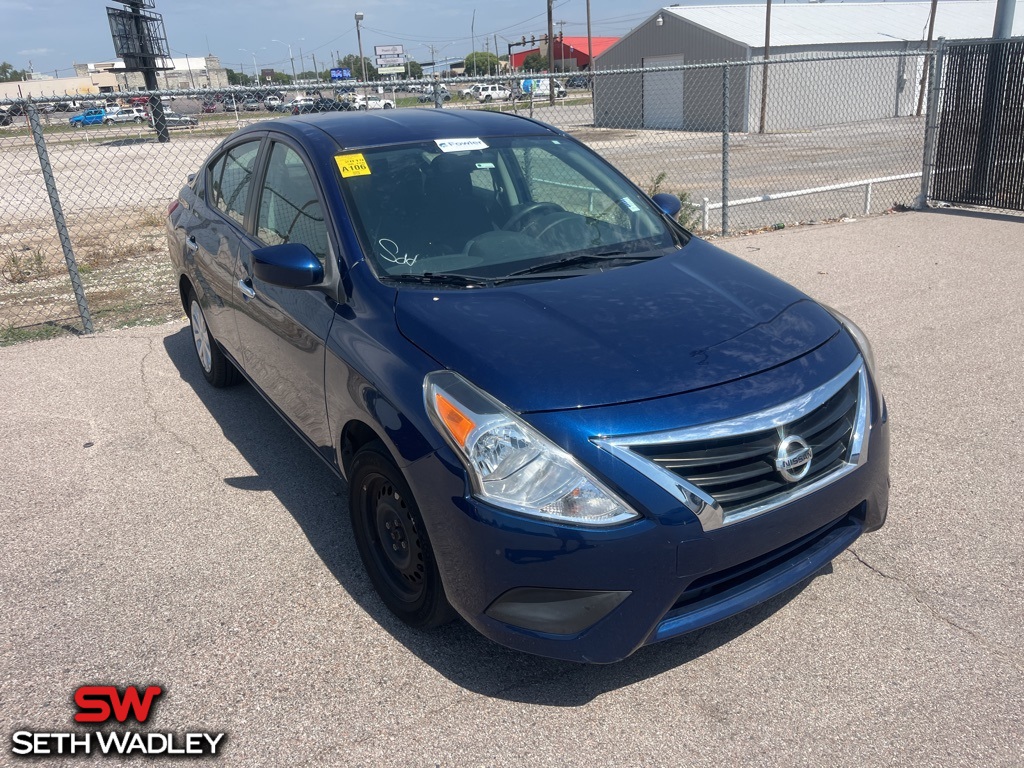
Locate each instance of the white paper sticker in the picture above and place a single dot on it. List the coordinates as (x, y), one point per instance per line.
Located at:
(459, 145)
(484, 165)
(631, 205)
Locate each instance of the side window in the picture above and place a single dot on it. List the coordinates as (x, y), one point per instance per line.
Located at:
(290, 210)
(230, 179)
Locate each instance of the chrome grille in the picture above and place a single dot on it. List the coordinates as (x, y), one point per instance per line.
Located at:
(731, 470)
(740, 471)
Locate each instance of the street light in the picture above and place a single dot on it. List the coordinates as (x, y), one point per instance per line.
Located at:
(359, 39)
(255, 69)
(290, 57)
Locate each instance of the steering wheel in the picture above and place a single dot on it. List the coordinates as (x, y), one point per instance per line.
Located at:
(557, 220)
(529, 209)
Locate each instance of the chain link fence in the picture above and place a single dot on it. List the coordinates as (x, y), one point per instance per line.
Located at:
(745, 145)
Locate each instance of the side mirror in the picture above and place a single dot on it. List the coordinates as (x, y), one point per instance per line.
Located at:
(669, 204)
(291, 265)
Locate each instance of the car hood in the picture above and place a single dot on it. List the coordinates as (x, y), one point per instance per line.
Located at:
(694, 319)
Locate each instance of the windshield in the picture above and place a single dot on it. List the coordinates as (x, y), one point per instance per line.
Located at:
(496, 207)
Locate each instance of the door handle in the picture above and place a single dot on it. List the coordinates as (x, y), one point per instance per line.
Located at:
(191, 244)
(247, 290)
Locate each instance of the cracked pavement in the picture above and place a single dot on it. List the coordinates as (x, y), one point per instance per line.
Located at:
(156, 531)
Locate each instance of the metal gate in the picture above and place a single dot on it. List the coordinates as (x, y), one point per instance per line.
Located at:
(979, 154)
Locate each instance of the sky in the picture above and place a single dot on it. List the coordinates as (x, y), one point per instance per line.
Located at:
(52, 35)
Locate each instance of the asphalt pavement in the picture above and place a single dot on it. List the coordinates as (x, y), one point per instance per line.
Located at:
(155, 531)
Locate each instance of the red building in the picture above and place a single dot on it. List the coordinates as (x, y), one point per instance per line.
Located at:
(567, 50)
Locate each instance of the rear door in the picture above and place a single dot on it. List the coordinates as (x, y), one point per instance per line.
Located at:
(215, 242)
(282, 330)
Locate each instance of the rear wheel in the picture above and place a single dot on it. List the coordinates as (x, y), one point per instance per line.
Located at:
(392, 541)
(217, 369)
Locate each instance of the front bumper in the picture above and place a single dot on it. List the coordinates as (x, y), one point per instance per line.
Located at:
(597, 595)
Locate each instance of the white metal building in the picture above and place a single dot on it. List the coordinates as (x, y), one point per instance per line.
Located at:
(691, 99)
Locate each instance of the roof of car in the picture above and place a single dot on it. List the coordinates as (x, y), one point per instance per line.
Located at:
(401, 126)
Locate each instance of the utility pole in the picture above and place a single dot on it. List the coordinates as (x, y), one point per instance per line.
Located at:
(472, 31)
(551, 53)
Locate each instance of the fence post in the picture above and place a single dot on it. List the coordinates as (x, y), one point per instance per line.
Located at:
(725, 150)
(58, 217)
(931, 123)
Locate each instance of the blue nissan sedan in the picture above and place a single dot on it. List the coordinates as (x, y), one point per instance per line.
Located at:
(560, 415)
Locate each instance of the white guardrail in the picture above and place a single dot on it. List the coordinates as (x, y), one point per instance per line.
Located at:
(706, 206)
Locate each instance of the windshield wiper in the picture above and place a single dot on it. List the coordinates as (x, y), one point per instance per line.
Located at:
(442, 278)
(581, 258)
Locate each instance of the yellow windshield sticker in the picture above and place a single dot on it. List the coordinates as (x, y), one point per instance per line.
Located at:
(352, 165)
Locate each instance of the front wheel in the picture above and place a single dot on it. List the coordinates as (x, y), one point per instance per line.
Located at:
(392, 541)
(108, 122)
(138, 121)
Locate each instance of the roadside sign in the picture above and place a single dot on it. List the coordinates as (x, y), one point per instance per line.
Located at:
(389, 50)
(391, 70)
(341, 73)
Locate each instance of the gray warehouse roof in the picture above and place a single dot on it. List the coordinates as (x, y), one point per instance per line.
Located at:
(831, 23)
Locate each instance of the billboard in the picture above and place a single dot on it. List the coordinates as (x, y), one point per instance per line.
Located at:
(389, 50)
(341, 73)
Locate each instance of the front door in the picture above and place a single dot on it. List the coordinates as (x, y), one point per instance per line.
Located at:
(282, 330)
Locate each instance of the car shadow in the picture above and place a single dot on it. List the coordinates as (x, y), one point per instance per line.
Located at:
(317, 500)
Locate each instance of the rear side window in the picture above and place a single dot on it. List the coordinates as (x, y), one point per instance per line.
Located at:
(231, 178)
(290, 211)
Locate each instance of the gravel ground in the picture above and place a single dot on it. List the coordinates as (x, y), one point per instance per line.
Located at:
(157, 531)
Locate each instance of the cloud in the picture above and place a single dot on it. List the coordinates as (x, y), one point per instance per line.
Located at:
(35, 52)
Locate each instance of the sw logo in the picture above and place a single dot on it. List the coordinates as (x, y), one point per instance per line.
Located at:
(103, 703)
(97, 702)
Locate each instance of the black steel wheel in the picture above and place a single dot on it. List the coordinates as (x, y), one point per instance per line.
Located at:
(392, 541)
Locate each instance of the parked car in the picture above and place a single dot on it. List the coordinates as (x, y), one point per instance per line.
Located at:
(302, 107)
(231, 104)
(272, 102)
(560, 415)
(209, 106)
(5, 118)
(493, 92)
(251, 105)
(89, 117)
(428, 93)
(372, 101)
(176, 120)
(126, 115)
(472, 92)
(577, 81)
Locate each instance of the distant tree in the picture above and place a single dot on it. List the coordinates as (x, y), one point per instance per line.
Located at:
(415, 70)
(8, 74)
(534, 62)
(351, 61)
(481, 63)
(235, 78)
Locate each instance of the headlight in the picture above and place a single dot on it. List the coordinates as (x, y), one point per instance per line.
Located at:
(511, 464)
(860, 340)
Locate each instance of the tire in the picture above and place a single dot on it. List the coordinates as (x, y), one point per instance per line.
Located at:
(138, 120)
(387, 106)
(108, 122)
(487, 97)
(392, 541)
(217, 369)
